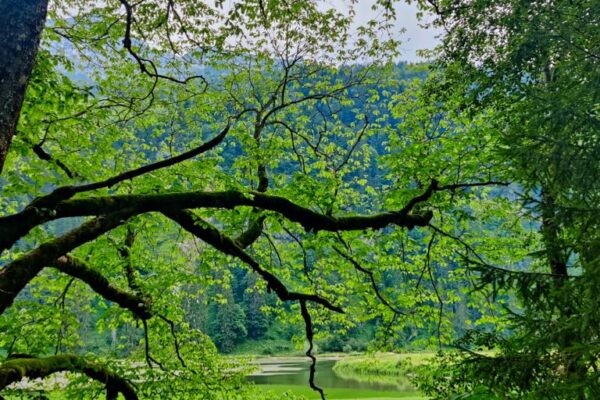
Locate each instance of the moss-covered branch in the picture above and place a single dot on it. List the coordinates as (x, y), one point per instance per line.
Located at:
(14, 370)
(14, 226)
(211, 235)
(18, 273)
(309, 219)
(138, 305)
(252, 233)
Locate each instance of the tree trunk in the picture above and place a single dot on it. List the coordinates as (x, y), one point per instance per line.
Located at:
(21, 25)
(552, 241)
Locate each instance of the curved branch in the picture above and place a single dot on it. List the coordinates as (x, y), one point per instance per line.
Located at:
(211, 235)
(455, 186)
(310, 220)
(372, 280)
(479, 261)
(303, 250)
(45, 156)
(309, 338)
(252, 233)
(14, 370)
(204, 147)
(143, 61)
(14, 226)
(138, 305)
(426, 195)
(16, 274)
(353, 147)
(133, 278)
(175, 340)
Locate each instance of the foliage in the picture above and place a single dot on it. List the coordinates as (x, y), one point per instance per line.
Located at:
(227, 324)
(163, 148)
(527, 68)
(261, 169)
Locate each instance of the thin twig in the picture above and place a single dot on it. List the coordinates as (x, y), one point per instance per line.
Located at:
(309, 338)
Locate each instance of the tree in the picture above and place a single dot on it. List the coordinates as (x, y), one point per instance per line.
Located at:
(22, 22)
(256, 321)
(263, 131)
(152, 71)
(227, 323)
(528, 68)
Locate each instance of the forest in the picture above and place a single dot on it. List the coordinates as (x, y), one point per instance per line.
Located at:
(262, 199)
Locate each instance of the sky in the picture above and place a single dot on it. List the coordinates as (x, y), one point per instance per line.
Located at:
(416, 37)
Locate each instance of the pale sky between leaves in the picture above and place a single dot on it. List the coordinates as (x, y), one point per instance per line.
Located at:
(415, 37)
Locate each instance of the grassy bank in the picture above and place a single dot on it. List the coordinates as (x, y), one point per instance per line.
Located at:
(388, 368)
(378, 364)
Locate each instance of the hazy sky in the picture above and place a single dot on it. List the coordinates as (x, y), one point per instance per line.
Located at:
(415, 38)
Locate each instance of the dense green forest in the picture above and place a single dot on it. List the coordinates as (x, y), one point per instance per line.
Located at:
(186, 183)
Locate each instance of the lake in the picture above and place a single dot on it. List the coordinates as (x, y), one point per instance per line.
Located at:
(292, 374)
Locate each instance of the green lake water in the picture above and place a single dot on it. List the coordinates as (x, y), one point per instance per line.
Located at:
(293, 376)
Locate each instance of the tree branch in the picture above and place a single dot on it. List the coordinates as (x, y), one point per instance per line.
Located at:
(208, 233)
(372, 280)
(479, 261)
(14, 370)
(45, 156)
(18, 273)
(157, 165)
(250, 235)
(138, 305)
(309, 338)
(426, 195)
(472, 184)
(310, 220)
(127, 42)
(17, 225)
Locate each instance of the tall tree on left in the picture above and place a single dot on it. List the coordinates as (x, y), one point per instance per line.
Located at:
(21, 24)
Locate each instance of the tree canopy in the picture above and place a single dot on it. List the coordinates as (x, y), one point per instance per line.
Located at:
(171, 168)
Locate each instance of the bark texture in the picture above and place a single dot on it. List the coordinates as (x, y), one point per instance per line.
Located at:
(139, 305)
(21, 25)
(13, 227)
(18, 273)
(13, 370)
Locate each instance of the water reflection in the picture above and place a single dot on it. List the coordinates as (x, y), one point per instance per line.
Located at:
(296, 373)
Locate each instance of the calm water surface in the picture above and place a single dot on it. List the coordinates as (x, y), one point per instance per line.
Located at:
(297, 373)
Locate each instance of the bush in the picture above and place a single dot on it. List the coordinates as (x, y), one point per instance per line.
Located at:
(331, 344)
